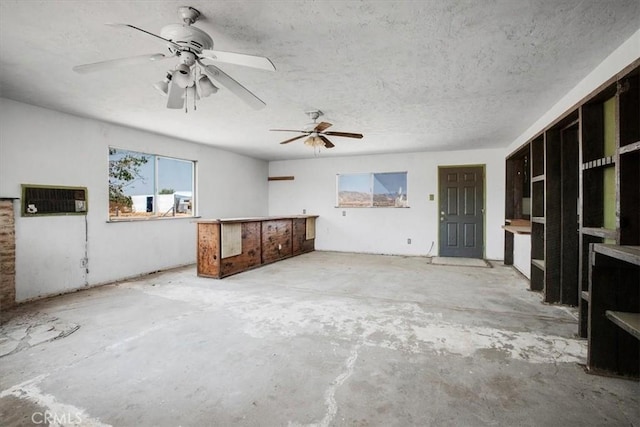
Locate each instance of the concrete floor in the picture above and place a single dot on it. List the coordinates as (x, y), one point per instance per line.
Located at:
(321, 339)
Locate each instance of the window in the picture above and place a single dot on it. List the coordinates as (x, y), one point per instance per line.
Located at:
(143, 186)
(378, 190)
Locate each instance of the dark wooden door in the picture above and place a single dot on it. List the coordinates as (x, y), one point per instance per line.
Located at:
(461, 211)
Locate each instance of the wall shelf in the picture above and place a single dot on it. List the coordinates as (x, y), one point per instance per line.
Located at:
(630, 322)
(538, 263)
(604, 233)
(630, 148)
(517, 229)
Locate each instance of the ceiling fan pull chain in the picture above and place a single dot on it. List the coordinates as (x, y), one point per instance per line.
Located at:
(195, 88)
(186, 101)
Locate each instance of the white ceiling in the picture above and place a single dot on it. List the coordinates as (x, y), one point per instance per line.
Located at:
(409, 75)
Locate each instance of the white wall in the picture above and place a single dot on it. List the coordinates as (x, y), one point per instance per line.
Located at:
(40, 146)
(385, 230)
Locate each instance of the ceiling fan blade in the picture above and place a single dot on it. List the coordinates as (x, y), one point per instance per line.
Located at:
(288, 130)
(114, 63)
(345, 134)
(252, 61)
(293, 139)
(158, 38)
(327, 143)
(243, 93)
(322, 126)
(176, 95)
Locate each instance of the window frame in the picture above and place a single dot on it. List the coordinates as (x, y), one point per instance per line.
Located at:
(371, 191)
(155, 158)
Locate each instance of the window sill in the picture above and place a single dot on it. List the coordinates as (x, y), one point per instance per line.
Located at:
(154, 218)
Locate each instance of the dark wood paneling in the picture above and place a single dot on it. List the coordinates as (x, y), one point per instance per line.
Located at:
(630, 203)
(569, 212)
(553, 216)
(208, 251)
(299, 235)
(300, 243)
(276, 240)
(537, 156)
(629, 109)
(251, 251)
(508, 248)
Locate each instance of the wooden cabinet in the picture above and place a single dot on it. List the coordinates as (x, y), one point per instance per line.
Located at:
(614, 311)
(230, 246)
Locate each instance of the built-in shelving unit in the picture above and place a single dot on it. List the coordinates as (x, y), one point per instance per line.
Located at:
(610, 174)
(554, 198)
(585, 180)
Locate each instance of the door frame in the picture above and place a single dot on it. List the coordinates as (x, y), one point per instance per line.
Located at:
(483, 166)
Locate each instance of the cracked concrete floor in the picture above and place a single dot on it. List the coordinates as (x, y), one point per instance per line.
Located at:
(323, 339)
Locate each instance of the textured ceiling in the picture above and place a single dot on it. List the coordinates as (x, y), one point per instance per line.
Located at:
(410, 75)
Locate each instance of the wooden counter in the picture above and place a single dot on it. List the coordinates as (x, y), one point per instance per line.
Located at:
(232, 245)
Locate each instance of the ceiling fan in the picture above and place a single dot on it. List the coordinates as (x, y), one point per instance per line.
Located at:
(316, 132)
(192, 77)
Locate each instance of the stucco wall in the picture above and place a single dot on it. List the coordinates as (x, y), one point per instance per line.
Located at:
(40, 146)
(385, 230)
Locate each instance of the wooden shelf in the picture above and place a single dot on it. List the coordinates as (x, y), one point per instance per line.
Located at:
(585, 295)
(517, 229)
(630, 254)
(538, 178)
(599, 163)
(630, 322)
(538, 219)
(629, 148)
(539, 263)
(605, 233)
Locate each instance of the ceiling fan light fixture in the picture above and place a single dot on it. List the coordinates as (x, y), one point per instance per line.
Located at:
(163, 86)
(206, 86)
(183, 69)
(182, 75)
(314, 141)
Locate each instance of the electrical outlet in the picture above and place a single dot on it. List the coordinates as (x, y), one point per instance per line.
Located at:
(408, 241)
(304, 211)
(344, 213)
(431, 197)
